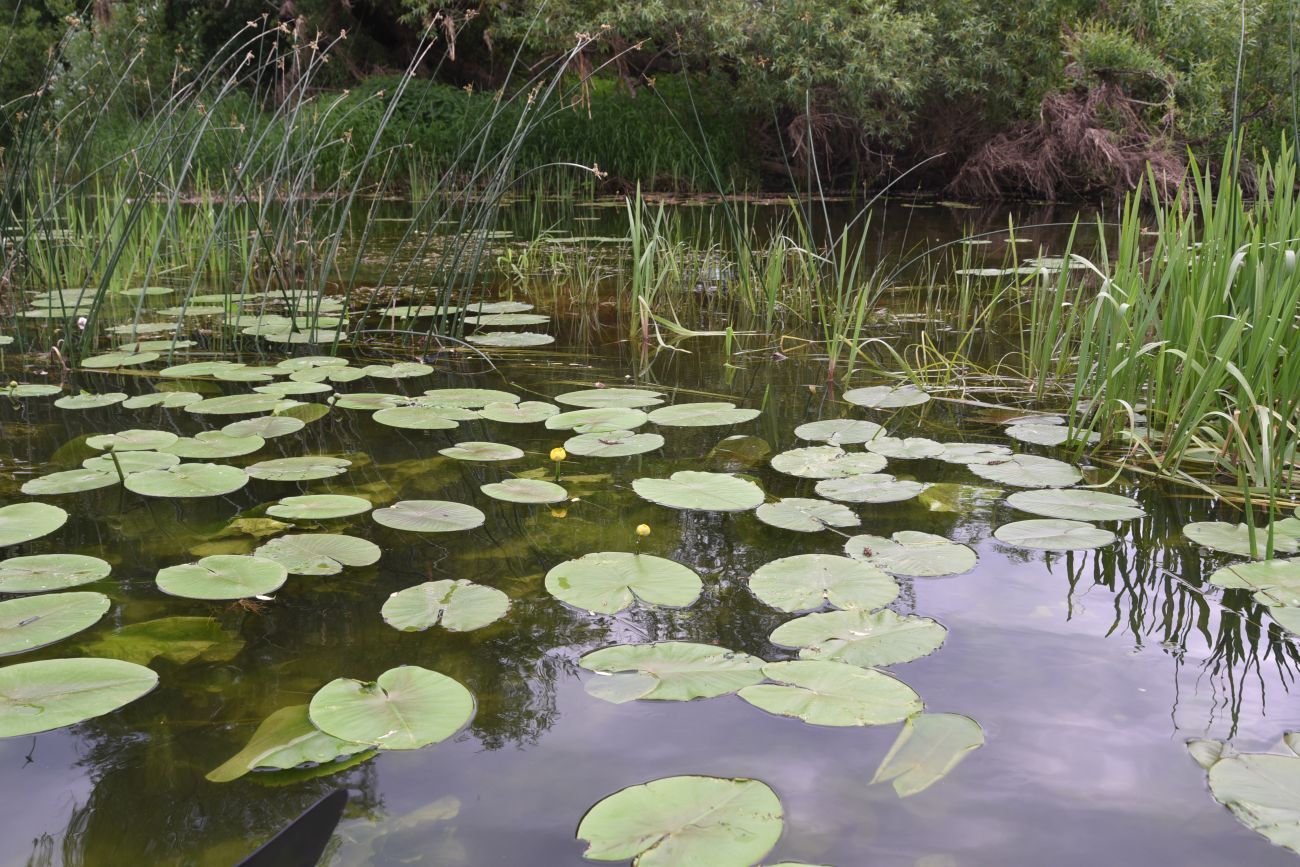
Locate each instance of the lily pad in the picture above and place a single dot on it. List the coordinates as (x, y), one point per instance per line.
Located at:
(129, 462)
(614, 444)
(234, 404)
(826, 462)
(697, 491)
(507, 319)
(886, 396)
(532, 491)
(429, 516)
(869, 488)
(1235, 538)
(839, 431)
(188, 480)
(806, 515)
(684, 820)
(397, 370)
(927, 749)
(301, 469)
(1263, 792)
(528, 412)
(826, 693)
(70, 482)
(132, 440)
(23, 522)
(905, 448)
(510, 339)
(319, 553)
(1027, 471)
(610, 581)
(806, 582)
(598, 420)
(482, 451)
(669, 671)
(369, 401)
(53, 693)
(1076, 505)
(458, 606)
(702, 415)
(318, 507)
(414, 418)
(632, 398)
(265, 427)
(223, 576)
(30, 622)
(40, 573)
(1053, 534)
(285, 739)
(32, 389)
(971, 453)
(1049, 434)
(912, 553)
(468, 398)
(861, 637)
(86, 400)
(408, 707)
(211, 444)
(163, 399)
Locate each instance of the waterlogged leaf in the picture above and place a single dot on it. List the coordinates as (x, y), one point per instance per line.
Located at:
(301, 469)
(927, 749)
(614, 444)
(684, 820)
(806, 582)
(957, 498)
(839, 431)
(429, 516)
(702, 415)
(23, 522)
(319, 553)
(1049, 434)
(510, 339)
(118, 359)
(30, 622)
(70, 482)
(44, 572)
(41, 696)
(129, 462)
(407, 708)
(531, 491)
(264, 428)
(235, 404)
(905, 448)
(458, 606)
(178, 640)
(468, 398)
(860, 637)
(132, 440)
(414, 418)
(285, 739)
(668, 671)
(598, 420)
(528, 412)
(610, 581)
(1236, 538)
(210, 444)
(223, 576)
(1053, 534)
(869, 488)
(1027, 471)
(973, 453)
(482, 451)
(164, 399)
(708, 492)
(318, 507)
(826, 462)
(188, 480)
(628, 398)
(828, 693)
(1076, 505)
(913, 553)
(86, 400)
(806, 515)
(886, 396)
(1263, 792)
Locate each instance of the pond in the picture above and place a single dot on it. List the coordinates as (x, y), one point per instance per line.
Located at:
(1086, 662)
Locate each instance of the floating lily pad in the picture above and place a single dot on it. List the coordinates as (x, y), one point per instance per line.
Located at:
(293, 389)
(532, 491)
(806, 582)
(319, 553)
(610, 581)
(1049, 434)
(210, 444)
(506, 319)
(318, 507)
(1263, 792)
(493, 307)
(839, 431)
(285, 739)
(41, 573)
(429, 516)
(398, 370)
(1053, 534)
(510, 339)
(301, 469)
(367, 401)
(1027, 471)
(23, 522)
(905, 448)
(70, 482)
(163, 399)
(482, 451)
(188, 480)
(886, 396)
(468, 398)
(708, 492)
(912, 553)
(53, 693)
(118, 359)
(458, 606)
(702, 415)
(1235, 538)
(30, 622)
(826, 462)
(598, 420)
(32, 389)
(129, 462)
(234, 404)
(1076, 505)
(927, 749)
(528, 412)
(806, 515)
(132, 440)
(861, 637)
(265, 427)
(684, 820)
(89, 401)
(669, 671)
(332, 373)
(223, 576)
(306, 362)
(632, 398)
(407, 708)
(970, 453)
(827, 693)
(414, 418)
(869, 488)
(613, 444)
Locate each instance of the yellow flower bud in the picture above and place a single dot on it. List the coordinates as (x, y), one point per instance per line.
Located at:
(558, 454)
(643, 530)
(558, 511)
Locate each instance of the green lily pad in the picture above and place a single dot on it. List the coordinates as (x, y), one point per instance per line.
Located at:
(927, 749)
(628, 398)
(1027, 471)
(70, 482)
(528, 412)
(129, 462)
(839, 431)
(293, 389)
(598, 420)
(905, 448)
(1263, 792)
(668, 671)
(53, 693)
(532, 491)
(368, 401)
(510, 339)
(89, 401)
(886, 396)
(30, 622)
(266, 427)
(684, 820)
(826, 462)
(1260, 575)
(1235, 538)
(826, 693)
(318, 507)
(869, 488)
(458, 606)
(468, 398)
(806, 515)
(414, 418)
(397, 370)
(235, 404)
(32, 389)
(614, 444)
(972, 453)
(306, 362)
(407, 708)
(334, 373)
(429, 516)
(23, 522)
(702, 415)
(285, 739)
(698, 491)
(132, 440)
(188, 480)
(806, 582)
(1076, 505)
(610, 581)
(493, 307)
(41, 573)
(210, 444)
(482, 451)
(912, 553)
(319, 553)
(163, 399)
(1053, 534)
(303, 469)
(223, 576)
(1049, 434)
(861, 637)
(118, 359)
